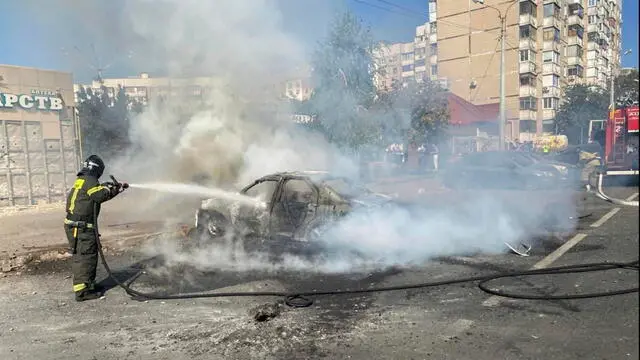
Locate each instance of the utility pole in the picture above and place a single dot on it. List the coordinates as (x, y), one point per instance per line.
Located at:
(503, 95)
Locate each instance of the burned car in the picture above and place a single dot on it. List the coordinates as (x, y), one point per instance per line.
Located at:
(289, 205)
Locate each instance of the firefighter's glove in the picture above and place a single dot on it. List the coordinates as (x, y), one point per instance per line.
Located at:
(114, 189)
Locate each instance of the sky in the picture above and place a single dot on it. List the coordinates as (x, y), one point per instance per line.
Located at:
(53, 37)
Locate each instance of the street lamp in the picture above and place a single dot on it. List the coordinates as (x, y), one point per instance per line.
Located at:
(503, 31)
(612, 99)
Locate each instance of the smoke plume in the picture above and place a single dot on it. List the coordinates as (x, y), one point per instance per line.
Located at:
(235, 129)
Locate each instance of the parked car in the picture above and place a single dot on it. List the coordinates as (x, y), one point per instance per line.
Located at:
(285, 208)
(509, 170)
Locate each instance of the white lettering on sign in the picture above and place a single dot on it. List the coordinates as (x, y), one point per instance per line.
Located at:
(10, 99)
(38, 100)
(25, 101)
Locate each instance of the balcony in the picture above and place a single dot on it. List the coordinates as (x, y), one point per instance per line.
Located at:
(528, 90)
(551, 91)
(528, 115)
(528, 19)
(592, 28)
(433, 38)
(433, 59)
(551, 68)
(574, 20)
(574, 40)
(527, 44)
(574, 60)
(550, 21)
(528, 67)
(548, 114)
(592, 46)
(551, 45)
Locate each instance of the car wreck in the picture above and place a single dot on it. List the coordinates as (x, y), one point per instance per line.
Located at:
(287, 208)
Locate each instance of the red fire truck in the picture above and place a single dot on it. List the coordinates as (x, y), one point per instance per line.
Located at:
(618, 135)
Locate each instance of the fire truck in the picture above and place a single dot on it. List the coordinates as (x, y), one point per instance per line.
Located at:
(618, 136)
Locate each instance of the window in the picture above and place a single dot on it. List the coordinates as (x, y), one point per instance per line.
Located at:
(433, 49)
(574, 50)
(262, 191)
(551, 56)
(551, 10)
(551, 80)
(575, 70)
(527, 80)
(550, 103)
(593, 3)
(575, 30)
(551, 34)
(528, 8)
(419, 62)
(434, 70)
(528, 126)
(407, 68)
(592, 36)
(407, 56)
(528, 103)
(527, 32)
(592, 19)
(527, 55)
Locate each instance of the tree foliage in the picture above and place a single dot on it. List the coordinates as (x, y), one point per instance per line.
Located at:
(626, 88)
(104, 120)
(343, 77)
(580, 104)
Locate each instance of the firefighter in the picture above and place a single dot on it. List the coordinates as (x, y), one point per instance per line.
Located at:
(79, 225)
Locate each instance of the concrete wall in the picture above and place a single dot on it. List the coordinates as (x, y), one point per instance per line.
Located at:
(39, 148)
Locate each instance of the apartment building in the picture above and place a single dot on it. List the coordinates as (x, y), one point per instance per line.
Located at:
(545, 49)
(399, 62)
(142, 88)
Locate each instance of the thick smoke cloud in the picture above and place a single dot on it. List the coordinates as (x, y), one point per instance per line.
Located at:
(240, 131)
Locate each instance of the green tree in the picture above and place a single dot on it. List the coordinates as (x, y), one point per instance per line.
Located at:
(627, 88)
(104, 120)
(580, 104)
(417, 110)
(343, 69)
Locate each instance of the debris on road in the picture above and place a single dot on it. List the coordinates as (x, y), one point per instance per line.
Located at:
(265, 312)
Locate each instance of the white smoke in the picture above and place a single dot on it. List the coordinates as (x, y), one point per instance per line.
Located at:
(234, 136)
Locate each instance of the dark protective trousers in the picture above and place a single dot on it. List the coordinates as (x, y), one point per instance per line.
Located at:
(84, 247)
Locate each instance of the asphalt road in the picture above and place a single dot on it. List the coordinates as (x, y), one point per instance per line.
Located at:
(39, 319)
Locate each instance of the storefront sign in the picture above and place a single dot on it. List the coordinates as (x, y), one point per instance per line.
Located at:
(37, 100)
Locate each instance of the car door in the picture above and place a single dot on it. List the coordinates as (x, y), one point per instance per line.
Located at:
(254, 218)
(296, 205)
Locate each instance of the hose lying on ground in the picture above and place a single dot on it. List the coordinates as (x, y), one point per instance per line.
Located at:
(303, 299)
(600, 193)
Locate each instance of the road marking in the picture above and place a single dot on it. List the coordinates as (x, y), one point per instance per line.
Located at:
(605, 217)
(548, 260)
(630, 198)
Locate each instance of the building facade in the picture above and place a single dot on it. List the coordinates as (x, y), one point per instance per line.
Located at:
(400, 62)
(549, 44)
(142, 88)
(39, 145)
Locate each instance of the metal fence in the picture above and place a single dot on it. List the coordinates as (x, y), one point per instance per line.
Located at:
(33, 169)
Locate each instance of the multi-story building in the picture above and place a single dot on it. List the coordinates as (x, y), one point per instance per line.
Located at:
(143, 88)
(545, 49)
(399, 62)
(39, 146)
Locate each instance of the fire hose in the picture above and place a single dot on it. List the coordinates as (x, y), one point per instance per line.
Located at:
(299, 299)
(599, 192)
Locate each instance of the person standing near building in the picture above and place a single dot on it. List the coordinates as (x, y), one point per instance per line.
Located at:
(434, 155)
(86, 195)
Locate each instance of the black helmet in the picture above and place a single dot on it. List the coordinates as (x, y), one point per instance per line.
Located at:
(93, 165)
